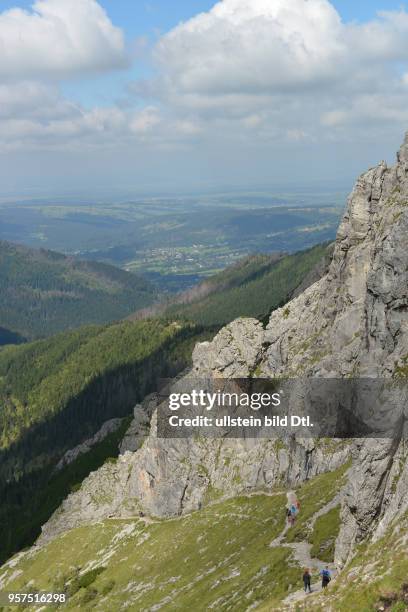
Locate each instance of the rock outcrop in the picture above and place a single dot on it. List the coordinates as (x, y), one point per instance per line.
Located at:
(140, 425)
(71, 455)
(353, 322)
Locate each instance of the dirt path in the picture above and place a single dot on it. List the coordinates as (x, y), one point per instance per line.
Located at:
(143, 519)
(301, 553)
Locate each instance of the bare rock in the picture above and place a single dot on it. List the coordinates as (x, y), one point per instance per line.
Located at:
(107, 428)
(352, 322)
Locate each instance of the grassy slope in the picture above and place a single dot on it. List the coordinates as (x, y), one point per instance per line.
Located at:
(376, 578)
(323, 537)
(313, 496)
(42, 292)
(253, 288)
(21, 521)
(217, 556)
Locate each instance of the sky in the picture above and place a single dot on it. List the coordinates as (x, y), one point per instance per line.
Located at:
(135, 96)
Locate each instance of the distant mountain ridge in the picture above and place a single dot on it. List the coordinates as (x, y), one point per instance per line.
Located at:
(43, 292)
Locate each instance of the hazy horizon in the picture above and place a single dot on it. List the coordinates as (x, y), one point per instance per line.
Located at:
(199, 96)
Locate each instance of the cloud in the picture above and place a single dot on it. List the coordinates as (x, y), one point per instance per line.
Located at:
(31, 99)
(58, 38)
(36, 116)
(145, 120)
(247, 56)
(253, 46)
(247, 75)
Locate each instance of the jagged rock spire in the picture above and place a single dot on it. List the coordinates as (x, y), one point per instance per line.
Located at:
(402, 155)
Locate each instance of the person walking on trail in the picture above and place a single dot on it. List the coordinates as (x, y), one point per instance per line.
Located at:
(307, 578)
(290, 517)
(326, 577)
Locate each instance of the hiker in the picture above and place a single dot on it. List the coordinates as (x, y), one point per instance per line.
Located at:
(293, 509)
(290, 516)
(326, 577)
(307, 581)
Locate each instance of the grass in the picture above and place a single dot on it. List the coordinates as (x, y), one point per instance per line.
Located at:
(26, 519)
(313, 496)
(324, 534)
(377, 577)
(217, 556)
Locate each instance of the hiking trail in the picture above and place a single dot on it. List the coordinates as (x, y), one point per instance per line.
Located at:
(302, 555)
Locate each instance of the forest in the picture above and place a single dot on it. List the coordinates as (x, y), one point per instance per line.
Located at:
(252, 288)
(57, 392)
(43, 292)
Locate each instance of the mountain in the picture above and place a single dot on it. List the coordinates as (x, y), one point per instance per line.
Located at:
(72, 390)
(43, 292)
(199, 523)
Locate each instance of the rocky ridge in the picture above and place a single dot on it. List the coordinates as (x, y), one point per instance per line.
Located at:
(352, 322)
(71, 455)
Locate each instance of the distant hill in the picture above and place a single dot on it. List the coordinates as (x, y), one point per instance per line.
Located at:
(43, 292)
(253, 287)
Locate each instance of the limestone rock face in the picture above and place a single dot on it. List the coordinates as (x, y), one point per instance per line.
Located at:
(140, 425)
(233, 353)
(353, 322)
(170, 477)
(107, 428)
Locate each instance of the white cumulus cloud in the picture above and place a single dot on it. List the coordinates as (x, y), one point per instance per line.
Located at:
(256, 53)
(58, 38)
(250, 76)
(242, 46)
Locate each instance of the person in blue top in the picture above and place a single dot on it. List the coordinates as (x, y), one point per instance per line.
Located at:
(326, 577)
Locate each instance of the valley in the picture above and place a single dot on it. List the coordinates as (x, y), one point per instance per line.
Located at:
(146, 522)
(175, 241)
(203, 306)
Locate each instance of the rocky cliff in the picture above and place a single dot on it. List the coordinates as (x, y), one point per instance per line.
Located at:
(353, 322)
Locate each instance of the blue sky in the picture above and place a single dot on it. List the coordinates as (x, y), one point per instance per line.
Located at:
(250, 93)
(140, 17)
